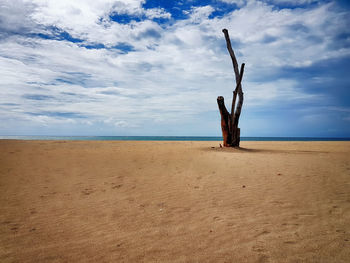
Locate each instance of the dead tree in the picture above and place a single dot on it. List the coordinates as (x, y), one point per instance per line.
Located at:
(229, 121)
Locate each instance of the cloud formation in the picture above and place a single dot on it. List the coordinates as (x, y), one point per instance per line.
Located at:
(133, 68)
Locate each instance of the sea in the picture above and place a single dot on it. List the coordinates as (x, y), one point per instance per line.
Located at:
(168, 138)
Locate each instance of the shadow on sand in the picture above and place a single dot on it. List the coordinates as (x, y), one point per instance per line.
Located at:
(252, 150)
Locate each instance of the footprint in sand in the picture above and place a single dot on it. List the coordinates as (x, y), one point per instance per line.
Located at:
(263, 259)
(143, 205)
(14, 227)
(33, 211)
(265, 232)
(305, 215)
(340, 231)
(335, 210)
(87, 191)
(290, 242)
(258, 248)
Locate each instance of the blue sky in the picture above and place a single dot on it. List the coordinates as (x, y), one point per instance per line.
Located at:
(140, 67)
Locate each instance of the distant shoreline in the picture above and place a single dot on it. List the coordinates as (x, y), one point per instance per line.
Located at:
(166, 138)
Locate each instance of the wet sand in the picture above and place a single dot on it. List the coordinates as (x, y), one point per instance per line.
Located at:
(104, 201)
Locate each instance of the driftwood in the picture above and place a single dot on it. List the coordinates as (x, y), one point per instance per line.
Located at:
(229, 121)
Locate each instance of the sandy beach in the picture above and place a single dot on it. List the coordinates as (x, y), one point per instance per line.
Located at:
(117, 201)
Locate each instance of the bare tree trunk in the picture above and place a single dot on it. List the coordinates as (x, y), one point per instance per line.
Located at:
(229, 121)
(225, 122)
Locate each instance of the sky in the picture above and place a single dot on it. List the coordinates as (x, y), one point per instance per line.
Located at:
(156, 67)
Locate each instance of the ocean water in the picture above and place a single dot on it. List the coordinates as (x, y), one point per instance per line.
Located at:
(166, 138)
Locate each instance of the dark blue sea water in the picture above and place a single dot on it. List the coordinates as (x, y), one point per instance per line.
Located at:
(166, 138)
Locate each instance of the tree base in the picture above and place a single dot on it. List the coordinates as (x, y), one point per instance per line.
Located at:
(232, 139)
(230, 131)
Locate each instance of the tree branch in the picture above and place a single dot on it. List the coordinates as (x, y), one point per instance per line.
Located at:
(237, 73)
(233, 103)
(238, 87)
(232, 54)
(240, 97)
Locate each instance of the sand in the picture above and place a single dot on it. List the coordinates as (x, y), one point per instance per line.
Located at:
(115, 201)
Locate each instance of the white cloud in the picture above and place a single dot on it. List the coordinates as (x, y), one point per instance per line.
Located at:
(291, 2)
(157, 13)
(15, 15)
(198, 14)
(277, 91)
(80, 14)
(239, 3)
